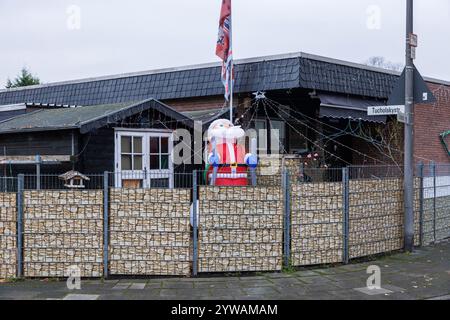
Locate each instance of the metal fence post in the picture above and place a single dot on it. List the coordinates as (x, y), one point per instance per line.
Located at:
(38, 172)
(287, 218)
(194, 222)
(105, 224)
(433, 170)
(20, 189)
(345, 213)
(421, 195)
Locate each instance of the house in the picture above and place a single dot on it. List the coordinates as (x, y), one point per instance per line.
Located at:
(125, 122)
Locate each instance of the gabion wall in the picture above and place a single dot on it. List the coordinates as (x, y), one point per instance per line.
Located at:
(63, 229)
(8, 238)
(376, 213)
(240, 229)
(150, 232)
(316, 223)
(436, 219)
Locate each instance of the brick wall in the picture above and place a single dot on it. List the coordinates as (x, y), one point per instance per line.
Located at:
(200, 103)
(8, 239)
(430, 122)
(240, 229)
(150, 232)
(63, 229)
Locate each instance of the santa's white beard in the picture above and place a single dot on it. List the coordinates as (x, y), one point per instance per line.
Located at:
(224, 135)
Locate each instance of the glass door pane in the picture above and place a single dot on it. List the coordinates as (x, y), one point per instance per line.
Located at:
(131, 157)
(261, 131)
(278, 138)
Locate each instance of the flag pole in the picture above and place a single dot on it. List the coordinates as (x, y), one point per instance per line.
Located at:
(232, 67)
(231, 93)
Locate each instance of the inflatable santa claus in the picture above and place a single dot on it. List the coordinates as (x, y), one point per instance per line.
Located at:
(228, 162)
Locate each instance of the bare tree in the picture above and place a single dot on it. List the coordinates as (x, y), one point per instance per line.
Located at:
(387, 139)
(382, 62)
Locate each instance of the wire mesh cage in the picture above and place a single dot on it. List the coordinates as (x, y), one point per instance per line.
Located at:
(317, 217)
(8, 184)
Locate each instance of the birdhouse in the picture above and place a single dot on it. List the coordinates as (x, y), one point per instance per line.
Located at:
(74, 180)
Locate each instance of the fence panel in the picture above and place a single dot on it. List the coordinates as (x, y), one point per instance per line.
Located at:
(436, 203)
(53, 182)
(62, 230)
(317, 217)
(240, 229)
(8, 233)
(376, 211)
(150, 232)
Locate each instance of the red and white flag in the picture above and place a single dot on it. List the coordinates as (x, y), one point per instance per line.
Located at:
(224, 48)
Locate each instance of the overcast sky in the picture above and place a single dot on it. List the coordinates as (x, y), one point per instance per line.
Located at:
(118, 36)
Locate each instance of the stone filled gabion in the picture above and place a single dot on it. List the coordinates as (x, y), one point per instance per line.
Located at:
(150, 232)
(63, 229)
(317, 219)
(240, 229)
(8, 239)
(375, 220)
(376, 216)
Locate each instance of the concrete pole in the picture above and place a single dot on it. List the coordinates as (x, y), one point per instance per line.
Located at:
(409, 135)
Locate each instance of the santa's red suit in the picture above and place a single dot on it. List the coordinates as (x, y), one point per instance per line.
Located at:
(230, 156)
(232, 170)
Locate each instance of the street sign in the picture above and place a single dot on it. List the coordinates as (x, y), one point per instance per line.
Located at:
(413, 53)
(422, 94)
(413, 40)
(385, 110)
(401, 117)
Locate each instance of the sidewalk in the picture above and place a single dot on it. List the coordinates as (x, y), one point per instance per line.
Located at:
(425, 274)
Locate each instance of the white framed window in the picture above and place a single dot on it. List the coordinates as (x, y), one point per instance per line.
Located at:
(271, 135)
(143, 158)
(262, 134)
(131, 153)
(159, 153)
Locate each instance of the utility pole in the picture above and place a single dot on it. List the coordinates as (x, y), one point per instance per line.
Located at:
(409, 131)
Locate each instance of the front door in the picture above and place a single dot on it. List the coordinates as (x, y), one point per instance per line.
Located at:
(143, 159)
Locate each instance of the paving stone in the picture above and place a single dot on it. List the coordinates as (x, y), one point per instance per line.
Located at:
(349, 283)
(210, 285)
(223, 292)
(446, 297)
(137, 286)
(81, 297)
(404, 280)
(121, 286)
(305, 273)
(261, 291)
(373, 292)
(255, 283)
(287, 282)
(393, 288)
(316, 280)
(330, 271)
(176, 285)
(168, 293)
(298, 292)
(278, 275)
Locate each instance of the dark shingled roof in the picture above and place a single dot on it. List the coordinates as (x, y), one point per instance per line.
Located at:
(92, 117)
(267, 73)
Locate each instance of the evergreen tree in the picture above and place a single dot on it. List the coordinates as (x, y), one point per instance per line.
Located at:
(24, 79)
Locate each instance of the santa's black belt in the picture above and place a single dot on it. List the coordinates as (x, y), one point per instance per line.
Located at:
(233, 166)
